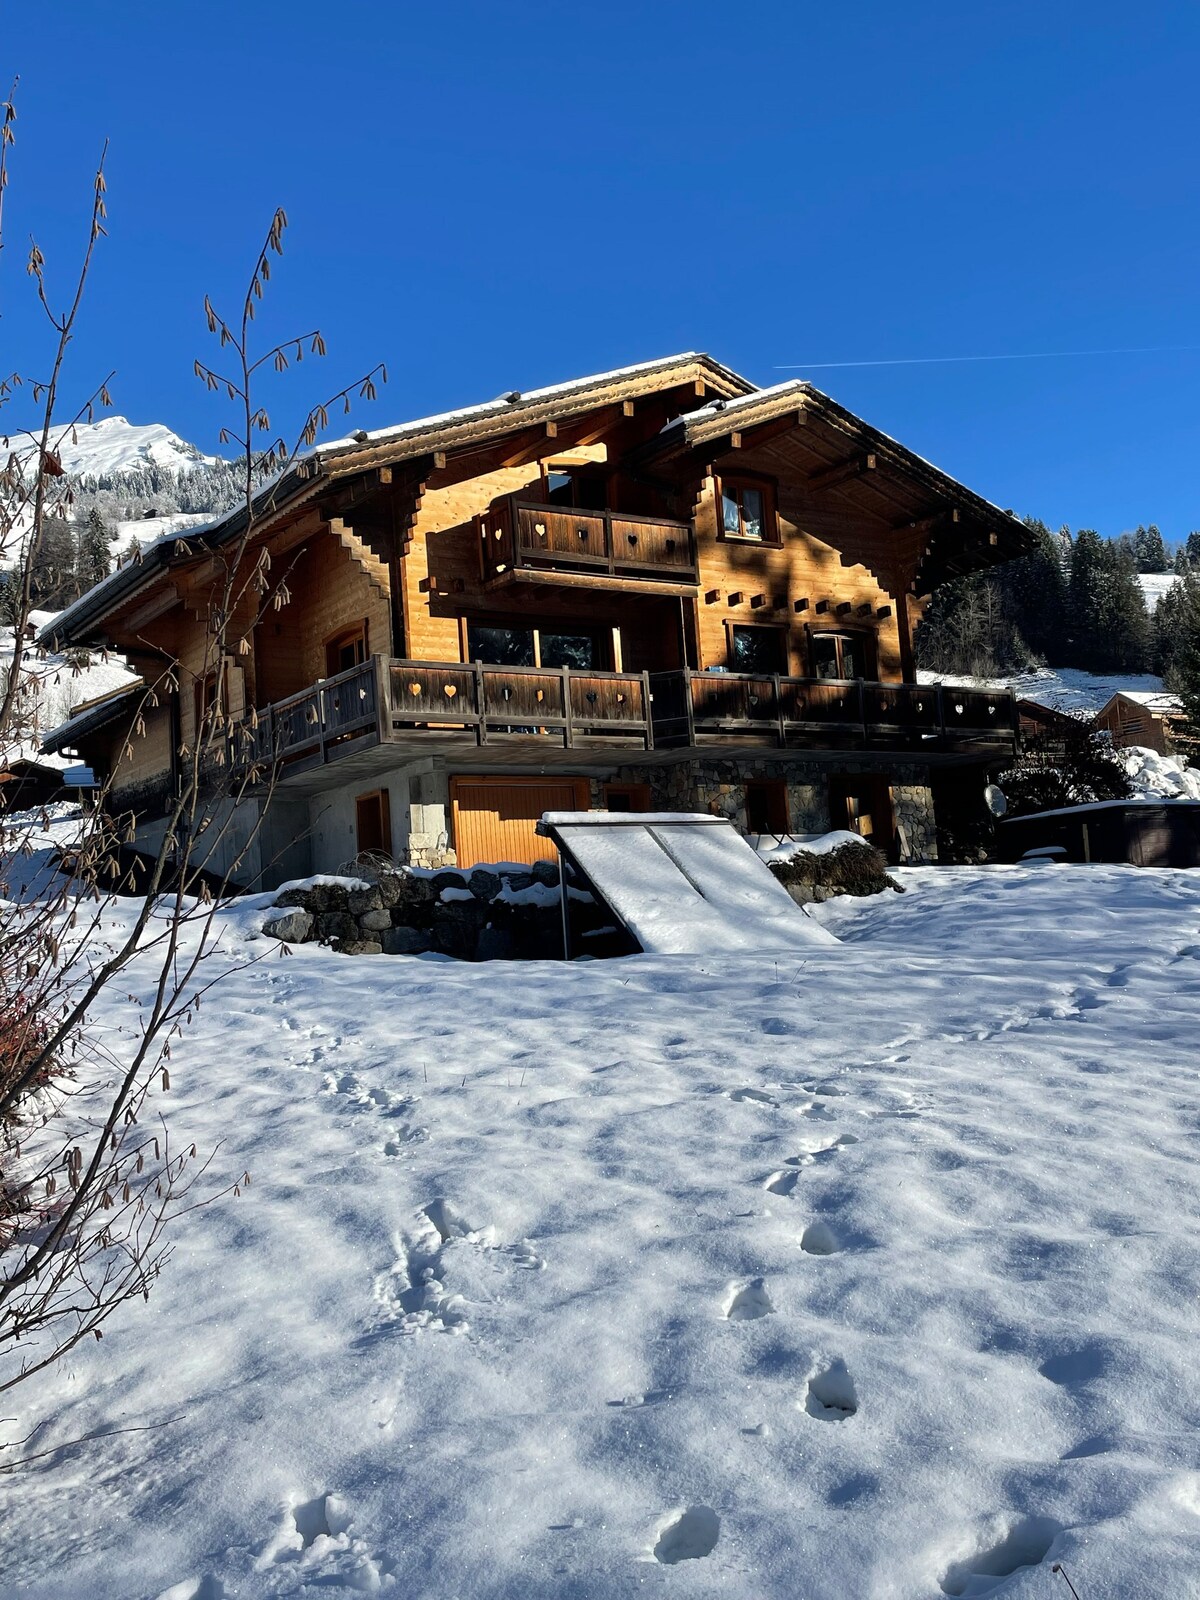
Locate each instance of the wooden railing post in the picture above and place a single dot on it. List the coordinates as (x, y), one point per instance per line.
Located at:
(383, 697)
(862, 712)
(779, 709)
(610, 543)
(941, 715)
(480, 713)
(647, 702)
(565, 691)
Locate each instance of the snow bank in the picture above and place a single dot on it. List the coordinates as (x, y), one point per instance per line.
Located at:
(520, 1303)
(771, 847)
(1156, 776)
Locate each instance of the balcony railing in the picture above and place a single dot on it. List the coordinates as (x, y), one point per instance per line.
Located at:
(523, 538)
(698, 707)
(386, 701)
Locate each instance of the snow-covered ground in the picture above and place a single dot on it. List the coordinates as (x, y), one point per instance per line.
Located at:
(867, 1272)
(1062, 688)
(1155, 585)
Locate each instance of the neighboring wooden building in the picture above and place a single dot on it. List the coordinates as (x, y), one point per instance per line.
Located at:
(1143, 833)
(1144, 719)
(655, 587)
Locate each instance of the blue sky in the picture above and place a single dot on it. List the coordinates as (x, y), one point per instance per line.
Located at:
(491, 197)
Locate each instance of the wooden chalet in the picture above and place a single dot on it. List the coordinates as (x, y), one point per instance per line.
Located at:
(657, 587)
(1146, 719)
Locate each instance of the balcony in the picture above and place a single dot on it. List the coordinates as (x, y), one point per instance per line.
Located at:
(520, 540)
(413, 707)
(697, 708)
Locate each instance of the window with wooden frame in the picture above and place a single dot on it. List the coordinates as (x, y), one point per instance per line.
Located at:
(843, 656)
(746, 508)
(347, 648)
(757, 647)
(373, 823)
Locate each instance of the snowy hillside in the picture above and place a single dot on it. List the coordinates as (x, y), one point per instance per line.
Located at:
(114, 445)
(568, 1282)
(1155, 585)
(1062, 688)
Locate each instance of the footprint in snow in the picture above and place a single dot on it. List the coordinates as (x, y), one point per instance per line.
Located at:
(819, 1239)
(689, 1536)
(759, 1096)
(1024, 1543)
(745, 1302)
(831, 1395)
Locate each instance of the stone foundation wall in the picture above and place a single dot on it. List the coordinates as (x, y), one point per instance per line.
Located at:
(482, 915)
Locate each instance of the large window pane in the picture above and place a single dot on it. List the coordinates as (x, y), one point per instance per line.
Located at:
(824, 650)
(576, 650)
(758, 650)
(731, 519)
(500, 647)
(752, 513)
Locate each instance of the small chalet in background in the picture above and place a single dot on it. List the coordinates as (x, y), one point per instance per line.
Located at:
(1134, 717)
(659, 587)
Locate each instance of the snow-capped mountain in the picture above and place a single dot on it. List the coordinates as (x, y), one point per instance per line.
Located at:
(94, 451)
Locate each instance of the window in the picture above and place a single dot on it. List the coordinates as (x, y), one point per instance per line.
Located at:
(837, 655)
(499, 646)
(346, 649)
(586, 491)
(746, 510)
(757, 649)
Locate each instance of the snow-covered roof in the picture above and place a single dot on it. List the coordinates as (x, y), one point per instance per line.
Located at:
(1131, 803)
(1161, 704)
(502, 403)
(91, 715)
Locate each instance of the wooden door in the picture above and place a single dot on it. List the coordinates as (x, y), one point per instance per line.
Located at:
(373, 823)
(862, 803)
(495, 819)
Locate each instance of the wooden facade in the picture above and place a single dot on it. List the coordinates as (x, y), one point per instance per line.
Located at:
(657, 560)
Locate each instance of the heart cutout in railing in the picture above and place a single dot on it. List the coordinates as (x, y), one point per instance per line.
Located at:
(670, 547)
(506, 693)
(633, 539)
(449, 690)
(583, 533)
(591, 697)
(991, 711)
(499, 533)
(414, 688)
(620, 699)
(541, 695)
(752, 699)
(959, 708)
(540, 529)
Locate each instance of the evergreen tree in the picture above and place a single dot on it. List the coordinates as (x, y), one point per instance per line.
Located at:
(1181, 668)
(967, 629)
(94, 550)
(1034, 588)
(1149, 551)
(1108, 626)
(53, 582)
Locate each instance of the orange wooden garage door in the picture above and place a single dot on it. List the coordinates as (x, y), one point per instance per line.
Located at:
(495, 818)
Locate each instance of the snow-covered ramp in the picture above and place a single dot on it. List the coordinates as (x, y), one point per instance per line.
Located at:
(681, 883)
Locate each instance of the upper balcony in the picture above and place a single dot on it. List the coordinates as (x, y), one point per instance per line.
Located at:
(521, 540)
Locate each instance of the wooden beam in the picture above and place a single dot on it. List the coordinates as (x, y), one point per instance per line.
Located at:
(735, 441)
(627, 408)
(841, 472)
(801, 604)
(156, 606)
(552, 430)
(439, 460)
(735, 599)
